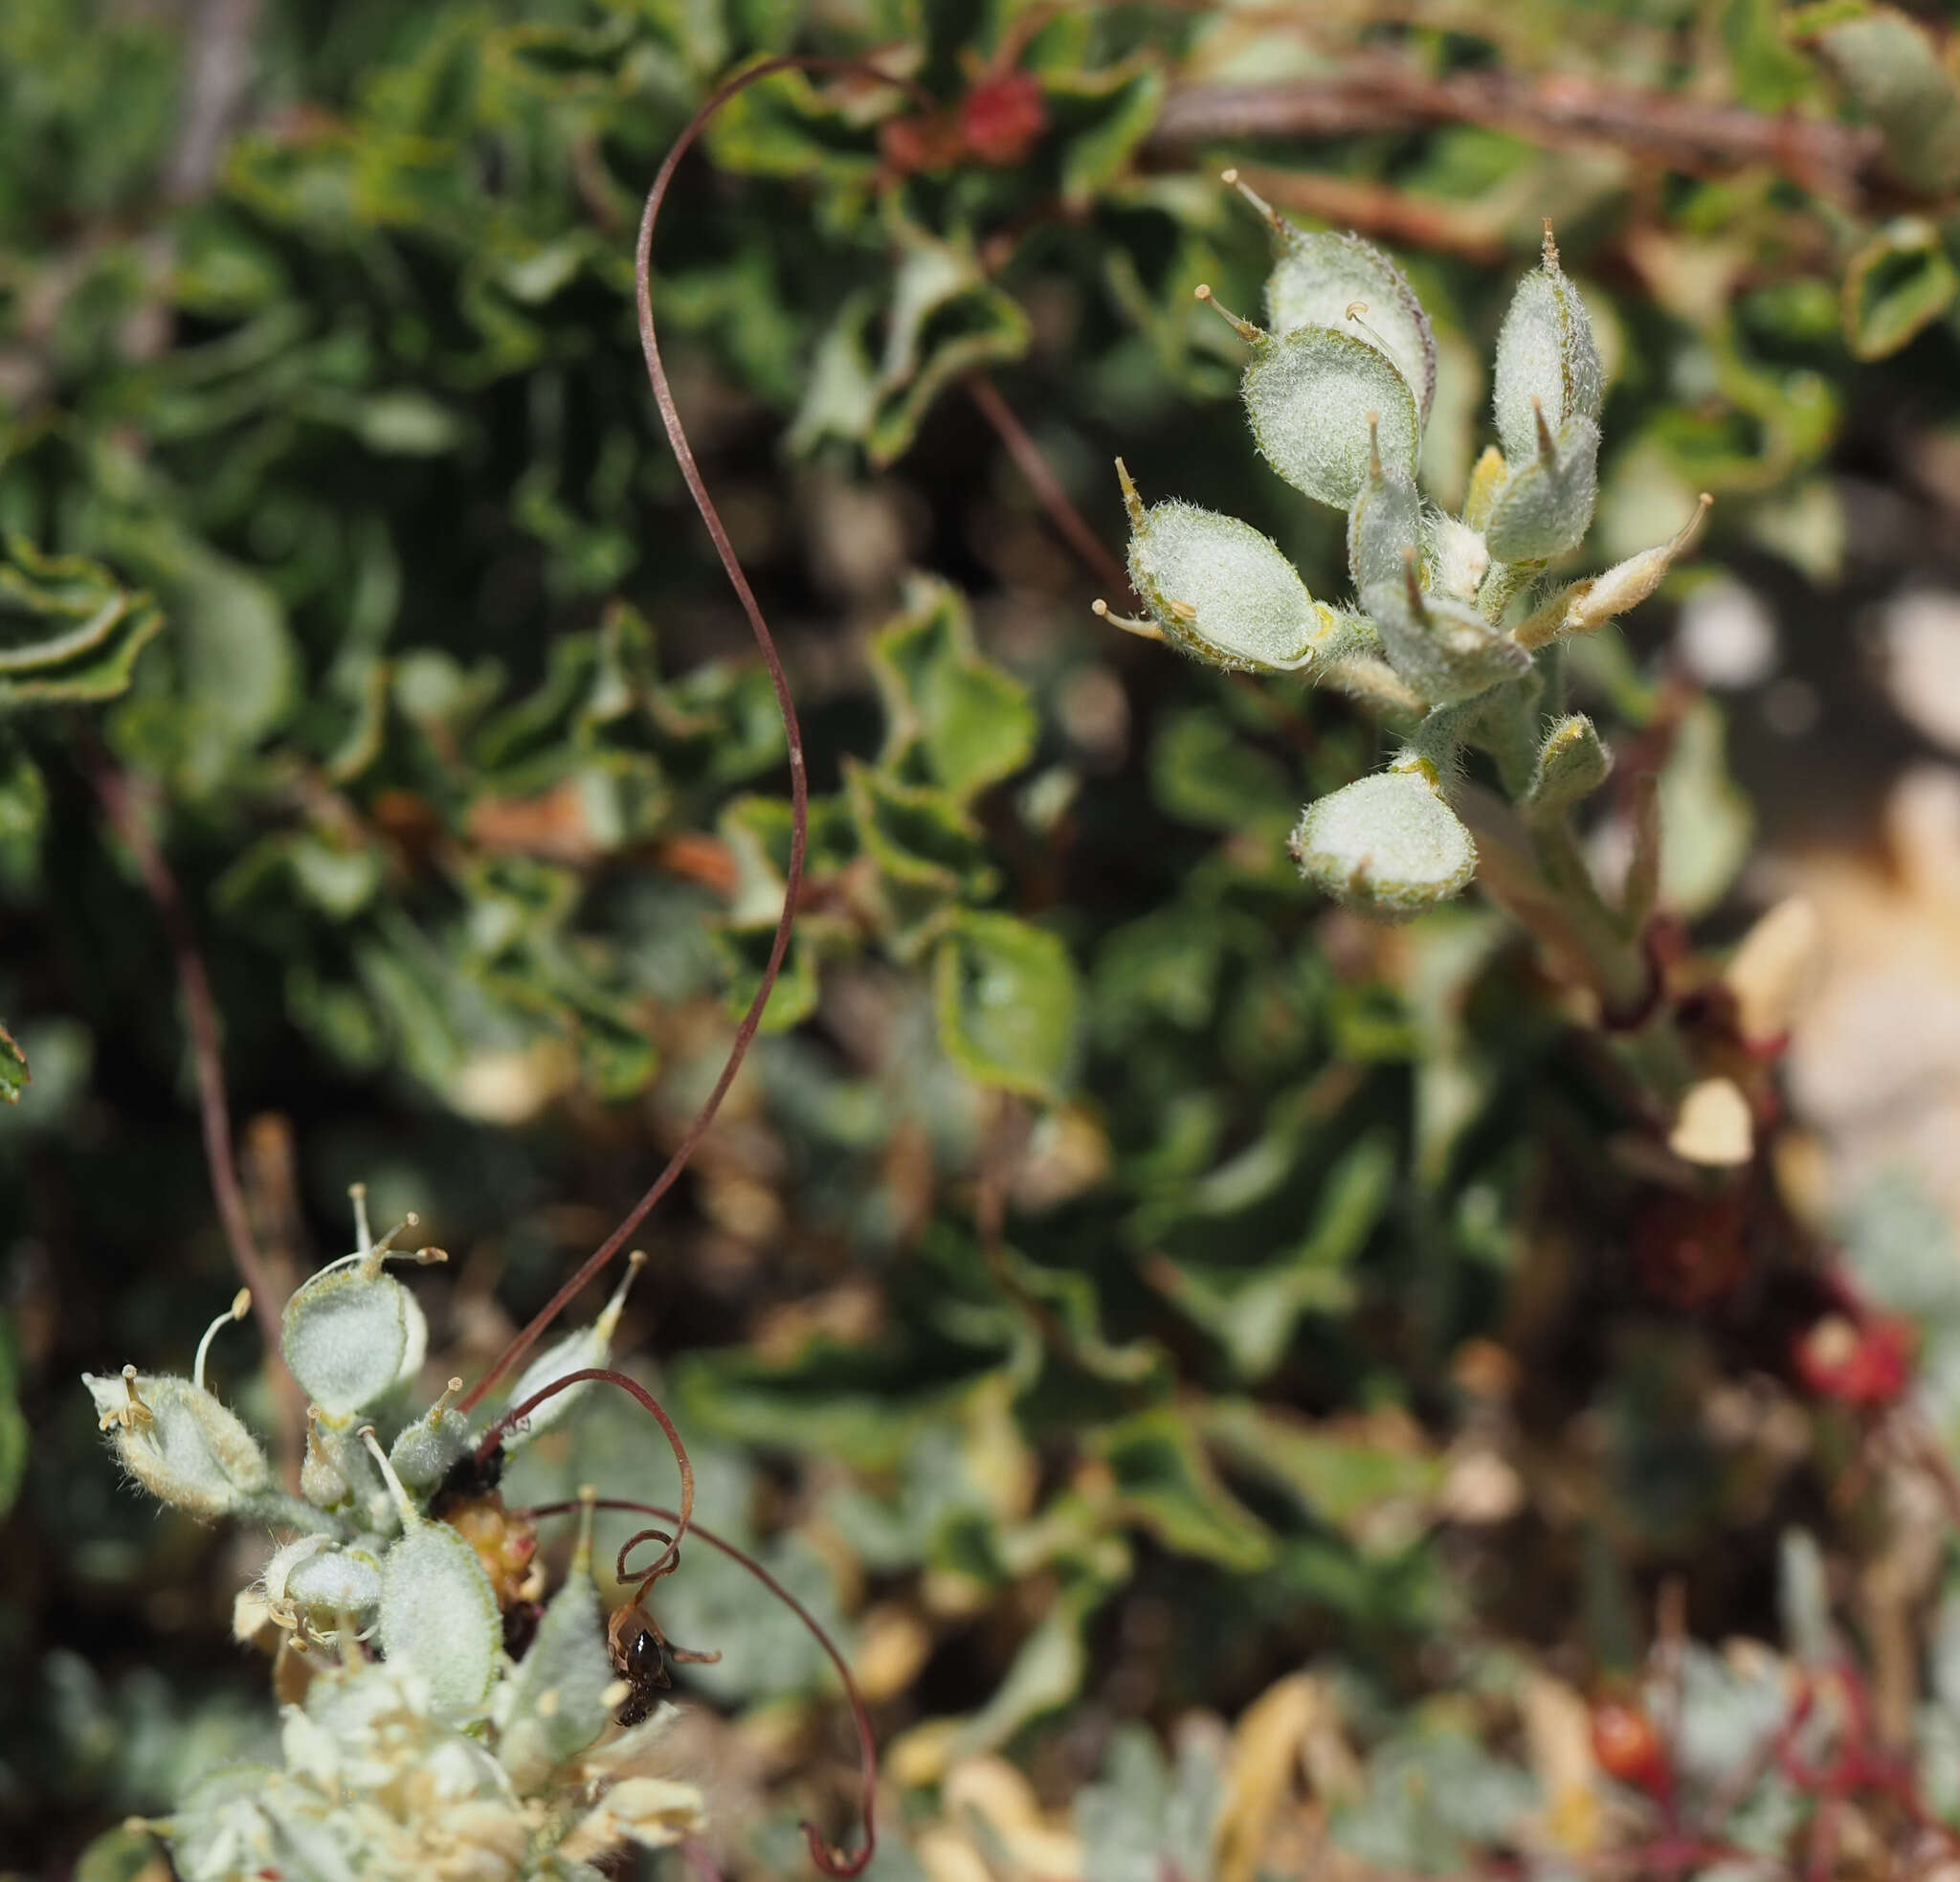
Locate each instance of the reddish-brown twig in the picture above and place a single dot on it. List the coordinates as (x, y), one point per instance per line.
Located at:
(1832, 159)
(786, 706)
(832, 1861)
(1069, 522)
(114, 792)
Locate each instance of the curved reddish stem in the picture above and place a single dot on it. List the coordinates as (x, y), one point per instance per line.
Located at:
(786, 706)
(832, 1862)
(606, 1376)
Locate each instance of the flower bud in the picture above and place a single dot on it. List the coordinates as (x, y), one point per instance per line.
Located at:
(1573, 763)
(1312, 398)
(439, 1617)
(1546, 361)
(1319, 279)
(1545, 507)
(1445, 649)
(1219, 588)
(178, 1442)
(1384, 528)
(424, 1452)
(1387, 843)
(557, 1696)
(577, 1351)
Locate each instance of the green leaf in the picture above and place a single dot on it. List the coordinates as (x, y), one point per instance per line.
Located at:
(14, 1431)
(1166, 1484)
(1253, 1314)
(1202, 772)
(945, 319)
(1707, 823)
(1900, 281)
(919, 836)
(1008, 1002)
(13, 1073)
(1888, 62)
(237, 670)
(1100, 119)
(122, 1855)
(1340, 1473)
(952, 718)
(69, 632)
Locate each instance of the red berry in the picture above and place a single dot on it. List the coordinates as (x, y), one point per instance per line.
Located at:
(1628, 1748)
(1863, 1361)
(1002, 119)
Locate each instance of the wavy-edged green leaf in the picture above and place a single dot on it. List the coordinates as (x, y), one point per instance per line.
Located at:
(1898, 283)
(1009, 1003)
(69, 632)
(1889, 64)
(952, 718)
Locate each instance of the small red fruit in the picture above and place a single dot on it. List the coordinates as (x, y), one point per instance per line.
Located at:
(1629, 1749)
(1863, 1361)
(1002, 119)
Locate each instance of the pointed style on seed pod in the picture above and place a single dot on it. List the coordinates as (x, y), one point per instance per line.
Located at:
(1219, 588)
(438, 1613)
(1318, 279)
(1547, 362)
(178, 1442)
(1445, 649)
(322, 1481)
(423, 1451)
(556, 1701)
(577, 1351)
(1387, 843)
(1546, 504)
(1385, 525)
(351, 1330)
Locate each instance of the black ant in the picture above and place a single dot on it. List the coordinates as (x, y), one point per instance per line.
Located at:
(473, 1476)
(641, 1650)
